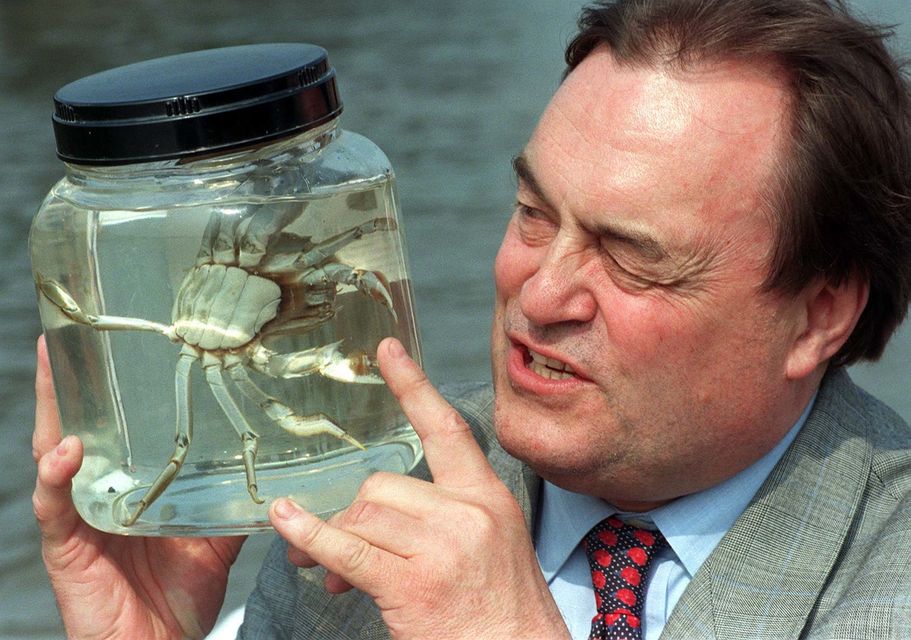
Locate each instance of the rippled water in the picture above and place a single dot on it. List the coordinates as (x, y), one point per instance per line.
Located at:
(450, 90)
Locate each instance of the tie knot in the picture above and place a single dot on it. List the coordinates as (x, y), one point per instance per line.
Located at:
(612, 534)
(619, 555)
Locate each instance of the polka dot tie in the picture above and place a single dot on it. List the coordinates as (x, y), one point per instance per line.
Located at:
(619, 555)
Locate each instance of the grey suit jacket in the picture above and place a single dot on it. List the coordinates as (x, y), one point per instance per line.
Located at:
(823, 551)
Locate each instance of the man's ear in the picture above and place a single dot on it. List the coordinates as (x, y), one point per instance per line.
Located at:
(829, 313)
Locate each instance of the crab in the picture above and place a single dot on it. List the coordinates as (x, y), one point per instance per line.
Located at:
(252, 279)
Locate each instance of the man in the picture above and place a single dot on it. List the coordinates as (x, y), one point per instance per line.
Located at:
(712, 219)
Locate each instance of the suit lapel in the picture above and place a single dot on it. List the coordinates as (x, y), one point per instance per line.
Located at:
(765, 576)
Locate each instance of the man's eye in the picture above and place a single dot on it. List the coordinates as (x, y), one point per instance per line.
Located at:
(629, 279)
(525, 211)
(531, 217)
(534, 225)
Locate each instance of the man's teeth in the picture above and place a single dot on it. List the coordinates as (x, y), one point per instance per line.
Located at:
(549, 368)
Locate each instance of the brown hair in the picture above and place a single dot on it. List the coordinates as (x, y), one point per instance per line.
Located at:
(844, 201)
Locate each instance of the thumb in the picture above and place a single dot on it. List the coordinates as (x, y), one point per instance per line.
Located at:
(52, 500)
(58, 461)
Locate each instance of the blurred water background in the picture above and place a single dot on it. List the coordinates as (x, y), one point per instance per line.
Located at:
(450, 90)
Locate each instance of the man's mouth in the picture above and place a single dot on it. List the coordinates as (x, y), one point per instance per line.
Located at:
(549, 368)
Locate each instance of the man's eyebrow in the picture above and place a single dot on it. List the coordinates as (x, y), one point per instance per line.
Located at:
(638, 240)
(527, 177)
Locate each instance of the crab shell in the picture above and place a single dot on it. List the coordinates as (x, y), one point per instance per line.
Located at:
(223, 307)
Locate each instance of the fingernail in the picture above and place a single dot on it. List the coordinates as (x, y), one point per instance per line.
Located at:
(64, 446)
(396, 350)
(285, 508)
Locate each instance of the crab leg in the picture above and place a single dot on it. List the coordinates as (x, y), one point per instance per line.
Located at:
(59, 296)
(261, 230)
(217, 244)
(282, 414)
(184, 434)
(308, 318)
(288, 263)
(212, 366)
(256, 236)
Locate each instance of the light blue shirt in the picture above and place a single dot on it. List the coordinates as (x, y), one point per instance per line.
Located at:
(693, 526)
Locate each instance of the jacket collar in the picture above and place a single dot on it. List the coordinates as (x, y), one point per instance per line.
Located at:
(768, 570)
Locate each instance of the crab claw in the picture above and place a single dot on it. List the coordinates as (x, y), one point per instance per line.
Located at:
(60, 297)
(355, 367)
(375, 285)
(54, 291)
(379, 224)
(327, 360)
(371, 283)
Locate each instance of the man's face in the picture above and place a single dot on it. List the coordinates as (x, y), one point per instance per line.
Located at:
(635, 355)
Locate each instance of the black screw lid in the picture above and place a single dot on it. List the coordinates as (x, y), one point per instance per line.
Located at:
(194, 103)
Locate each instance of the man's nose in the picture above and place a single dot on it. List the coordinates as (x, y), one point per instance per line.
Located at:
(557, 291)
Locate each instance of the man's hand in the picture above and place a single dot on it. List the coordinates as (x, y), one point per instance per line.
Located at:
(448, 559)
(110, 586)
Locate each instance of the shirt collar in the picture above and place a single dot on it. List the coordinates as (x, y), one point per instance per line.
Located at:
(693, 525)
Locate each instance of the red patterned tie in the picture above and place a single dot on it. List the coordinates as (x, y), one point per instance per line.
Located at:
(619, 555)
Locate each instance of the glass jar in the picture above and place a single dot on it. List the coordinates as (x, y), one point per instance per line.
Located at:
(214, 273)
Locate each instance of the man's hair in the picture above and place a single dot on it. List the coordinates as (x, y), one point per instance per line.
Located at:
(843, 202)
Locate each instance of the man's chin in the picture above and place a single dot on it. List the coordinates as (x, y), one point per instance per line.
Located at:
(540, 443)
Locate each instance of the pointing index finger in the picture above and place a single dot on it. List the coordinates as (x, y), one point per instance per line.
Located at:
(452, 453)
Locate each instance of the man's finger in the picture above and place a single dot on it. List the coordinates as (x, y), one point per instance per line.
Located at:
(381, 516)
(351, 558)
(452, 453)
(407, 495)
(383, 527)
(300, 558)
(47, 422)
(335, 584)
(52, 500)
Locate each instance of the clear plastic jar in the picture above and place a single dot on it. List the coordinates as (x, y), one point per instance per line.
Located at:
(213, 301)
